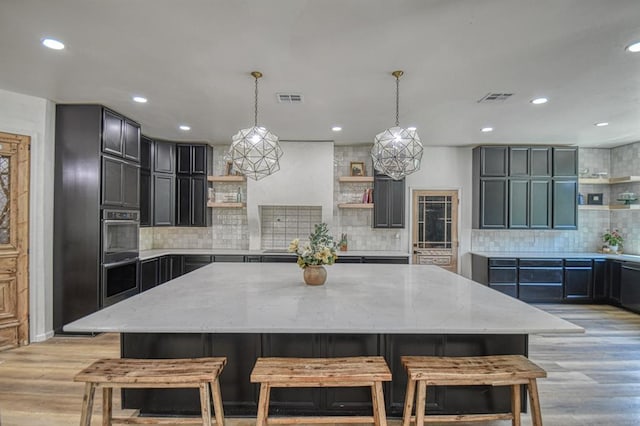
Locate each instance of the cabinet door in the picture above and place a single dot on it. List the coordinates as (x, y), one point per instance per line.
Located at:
(518, 203)
(146, 199)
(630, 287)
(149, 274)
(131, 141)
(164, 157)
(565, 205)
(493, 203)
(600, 290)
(540, 161)
(382, 189)
(615, 272)
(191, 263)
(112, 133)
(493, 160)
(565, 161)
(183, 201)
(577, 283)
(111, 182)
(183, 153)
(199, 160)
(145, 153)
(540, 204)
(396, 204)
(163, 200)
(518, 161)
(130, 185)
(199, 201)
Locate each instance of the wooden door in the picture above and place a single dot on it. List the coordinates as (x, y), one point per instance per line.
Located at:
(14, 222)
(435, 229)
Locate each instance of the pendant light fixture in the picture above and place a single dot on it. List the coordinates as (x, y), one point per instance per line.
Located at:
(397, 152)
(255, 151)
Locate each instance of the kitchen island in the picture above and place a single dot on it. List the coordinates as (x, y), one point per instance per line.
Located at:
(243, 311)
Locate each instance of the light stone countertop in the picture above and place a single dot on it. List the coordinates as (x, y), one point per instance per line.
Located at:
(558, 255)
(150, 254)
(357, 298)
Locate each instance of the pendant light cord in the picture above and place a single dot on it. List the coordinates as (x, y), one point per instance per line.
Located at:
(397, 101)
(255, 110)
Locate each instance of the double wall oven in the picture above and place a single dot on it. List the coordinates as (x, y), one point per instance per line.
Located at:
(119, 255)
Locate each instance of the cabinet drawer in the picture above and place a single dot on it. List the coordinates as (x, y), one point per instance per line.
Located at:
(503, 275)
(503, 262)
(541, 275)
(540, 262)
(197, 258)
(228, 258)
(508, 289)
(580, 263)
(348, 259)
(541, 292)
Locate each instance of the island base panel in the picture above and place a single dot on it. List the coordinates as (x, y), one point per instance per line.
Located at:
(240, 396)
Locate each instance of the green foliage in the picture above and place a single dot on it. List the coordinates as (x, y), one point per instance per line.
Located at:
(321, 249)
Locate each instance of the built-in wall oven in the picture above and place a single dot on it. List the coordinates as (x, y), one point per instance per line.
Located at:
(119, 255)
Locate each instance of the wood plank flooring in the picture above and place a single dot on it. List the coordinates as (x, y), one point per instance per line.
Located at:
(593, 378)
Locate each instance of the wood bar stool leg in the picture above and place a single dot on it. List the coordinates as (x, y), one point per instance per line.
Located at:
(87, 404)
(263, 405)
(379, 402)
(515, 405)
(217, 402)
(107, 406)
(374, 405)
(408, 402)
(205, 404)
(534, 402)
(421, 402)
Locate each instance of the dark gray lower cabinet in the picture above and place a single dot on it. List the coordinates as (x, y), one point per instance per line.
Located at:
(503, 276)
(565, 208)
(600, 281)
(630, 286)
(193, 262)
(578, 281)
(170, 268)
(149, 274)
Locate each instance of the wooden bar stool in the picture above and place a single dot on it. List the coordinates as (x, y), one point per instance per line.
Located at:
(368, 371)
(107, 374)
(499, 370)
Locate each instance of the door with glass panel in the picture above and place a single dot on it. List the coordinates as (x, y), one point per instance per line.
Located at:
(435, 229)
(14, 218)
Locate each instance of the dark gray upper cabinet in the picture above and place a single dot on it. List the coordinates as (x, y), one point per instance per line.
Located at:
(163, 200)
(513, 187)
(183, 153)
(193, 159)
(120, 183)
(565, 162)
(146, 198)
(164, 157)
(493, 161)
(120, 136)
(388, 202)
(145, 153)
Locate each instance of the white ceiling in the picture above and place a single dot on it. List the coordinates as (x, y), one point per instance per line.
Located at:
(192, 59)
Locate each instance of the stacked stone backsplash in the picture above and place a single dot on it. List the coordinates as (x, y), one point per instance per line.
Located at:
(619, 161)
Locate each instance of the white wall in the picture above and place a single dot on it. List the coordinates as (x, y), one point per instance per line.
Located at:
(446, 168)
(35, 117)
(305, 178)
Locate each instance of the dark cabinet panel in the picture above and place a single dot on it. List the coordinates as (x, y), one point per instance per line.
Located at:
(163, 200)
(235, 258)
(191, 201)
(279, 259)
(518, 203)
(565, 205)
(565, 162)
(183, 201)
(146, 198)
(540, 204)
(399, 260)
(145, 153)
(112, 133)
(518, 161)
(149, 274)
(493, 161)
(615, 277)
(131, 141)
(543, 292)
(540, 161)
(164, 160)
(130, 185)
(183, 153)
(600, 290)
(193, 262)
(578, 282)
(111, 182)
(630, 286)
(199, 157)
(493, 203)
(170, 267)
(388, 202)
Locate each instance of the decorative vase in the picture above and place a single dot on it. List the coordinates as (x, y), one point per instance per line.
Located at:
(613, 249)
(314, 274)
(343, 247)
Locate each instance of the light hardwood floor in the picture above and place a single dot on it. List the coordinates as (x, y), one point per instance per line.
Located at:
(594, 378)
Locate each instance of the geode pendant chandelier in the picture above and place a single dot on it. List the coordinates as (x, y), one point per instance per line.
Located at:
(397, 152)
(255, 151)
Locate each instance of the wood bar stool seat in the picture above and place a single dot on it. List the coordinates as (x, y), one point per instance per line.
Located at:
(368, 371)
(107, 374)
(499, 370)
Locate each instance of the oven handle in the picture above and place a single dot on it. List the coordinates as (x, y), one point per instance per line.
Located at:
(120, 263)
(110, 221)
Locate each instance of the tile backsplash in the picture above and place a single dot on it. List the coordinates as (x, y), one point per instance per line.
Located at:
(281, 224)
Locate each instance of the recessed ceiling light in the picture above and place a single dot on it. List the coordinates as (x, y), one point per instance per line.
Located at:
(185, 127)
(539, 101)
(602, 124)
(486, 129)
(634, 47)
(53, 43)
(336, 128)
(411, 128)
(140, 99)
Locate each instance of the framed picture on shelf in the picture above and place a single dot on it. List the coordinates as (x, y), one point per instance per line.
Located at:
(357, 168)
(228, 168)
(594, 199)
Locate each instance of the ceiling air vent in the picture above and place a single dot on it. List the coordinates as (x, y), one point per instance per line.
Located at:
(491, 97)
(289, 98)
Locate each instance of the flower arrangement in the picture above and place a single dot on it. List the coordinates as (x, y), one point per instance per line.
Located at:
(321, 249)
(613, 238)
